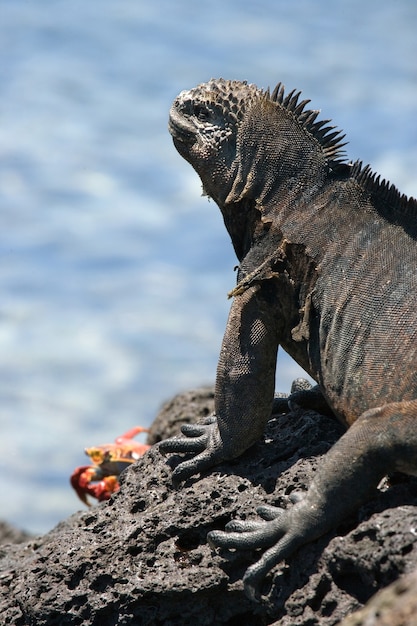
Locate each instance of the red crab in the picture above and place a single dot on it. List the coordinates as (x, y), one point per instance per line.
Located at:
(100, 480)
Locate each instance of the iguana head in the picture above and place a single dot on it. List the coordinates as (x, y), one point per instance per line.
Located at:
(246, 143)
(204, 124)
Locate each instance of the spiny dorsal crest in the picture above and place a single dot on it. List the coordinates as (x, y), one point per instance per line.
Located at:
(330, 140)
(384, 192)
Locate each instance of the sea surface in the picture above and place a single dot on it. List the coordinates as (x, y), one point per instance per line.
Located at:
(114, 270)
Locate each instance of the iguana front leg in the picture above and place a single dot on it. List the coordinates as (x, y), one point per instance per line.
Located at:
(381, 441)
(244, 387)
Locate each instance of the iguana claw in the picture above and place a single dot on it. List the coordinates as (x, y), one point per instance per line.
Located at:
(275, 532)
(203, 440)
(251, 534)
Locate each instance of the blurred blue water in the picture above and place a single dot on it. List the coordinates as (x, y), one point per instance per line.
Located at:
(114, 270)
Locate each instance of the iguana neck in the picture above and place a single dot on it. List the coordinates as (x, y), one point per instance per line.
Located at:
(275, 158)
(243, 223)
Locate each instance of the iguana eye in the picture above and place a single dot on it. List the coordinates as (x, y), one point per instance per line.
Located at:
(202, 113)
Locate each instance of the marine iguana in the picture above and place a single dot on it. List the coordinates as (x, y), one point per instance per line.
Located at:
(328, 270)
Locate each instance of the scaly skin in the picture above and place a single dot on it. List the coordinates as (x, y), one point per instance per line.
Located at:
(328, 261)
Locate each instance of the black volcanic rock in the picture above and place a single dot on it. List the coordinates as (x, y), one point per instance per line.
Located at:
(142, 557)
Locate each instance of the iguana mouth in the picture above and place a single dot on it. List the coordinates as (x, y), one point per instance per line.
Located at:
(179, 127)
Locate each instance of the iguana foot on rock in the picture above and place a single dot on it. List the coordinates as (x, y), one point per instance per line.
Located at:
(203, 440)
(304, 395)
(380, 441)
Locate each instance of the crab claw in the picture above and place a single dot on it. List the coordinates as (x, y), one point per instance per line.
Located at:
(80, 481)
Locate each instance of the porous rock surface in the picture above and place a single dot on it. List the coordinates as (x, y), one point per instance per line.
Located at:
(142, 557)
(394, 606)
